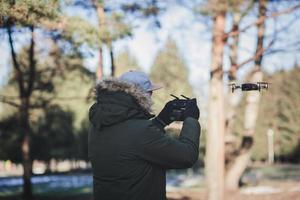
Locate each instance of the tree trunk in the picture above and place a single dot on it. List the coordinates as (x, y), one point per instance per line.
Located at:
(232, 98)
(25, 87)
(26, 161)
(24, 119)
(48, 167)
(101, 19)
(24, 94)
(112, 61)
(251, 111)
(241, 161)
(215, 138)
(234, 47)
(99, 72)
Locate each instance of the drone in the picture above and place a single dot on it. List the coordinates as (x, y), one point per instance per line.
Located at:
(250, 86)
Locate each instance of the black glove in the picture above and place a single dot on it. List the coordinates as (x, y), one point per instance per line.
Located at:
(164, 118)
(191, 110)
(177, 110)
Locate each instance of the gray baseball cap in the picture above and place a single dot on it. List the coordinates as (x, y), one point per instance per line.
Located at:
(141, 79)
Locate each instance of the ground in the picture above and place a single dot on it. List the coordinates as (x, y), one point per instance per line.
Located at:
(276, 182)
(281, 191)
(195, 194)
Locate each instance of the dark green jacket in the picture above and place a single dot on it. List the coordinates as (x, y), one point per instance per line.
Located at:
(128, 151)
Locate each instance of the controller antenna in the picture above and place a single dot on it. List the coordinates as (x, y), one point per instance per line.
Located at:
(174, 96)
(185, 97)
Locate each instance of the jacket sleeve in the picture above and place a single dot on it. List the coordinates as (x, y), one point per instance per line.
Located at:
(159, 148)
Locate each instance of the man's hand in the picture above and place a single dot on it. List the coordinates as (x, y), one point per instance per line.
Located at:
(177, 110)
(165, 116)
(191, 110)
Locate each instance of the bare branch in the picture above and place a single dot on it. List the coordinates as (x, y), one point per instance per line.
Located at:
(260, 20)
(46, 102)
(6, 101)
(290, 47)
(258, 54)
(32, 68)
(281, 50)
(287, 25)
(248, 8)
(19, 73)
(9, 97)
(261, 34)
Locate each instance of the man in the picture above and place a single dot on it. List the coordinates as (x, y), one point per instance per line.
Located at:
(129, 151)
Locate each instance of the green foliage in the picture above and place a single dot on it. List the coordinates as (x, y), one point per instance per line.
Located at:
(82, 140)
(10, 140)
(280, 111)
(54, 135)
(28, 12)
(169, 70)
(112, 24)
(59, 97)
(125, 62)
(72, 94)
(47, 14)
(116, 28)
(211, 8)
(79, 31)
(146, 9)
(58, 102)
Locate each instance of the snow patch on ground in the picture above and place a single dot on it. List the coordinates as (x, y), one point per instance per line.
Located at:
(260, 190)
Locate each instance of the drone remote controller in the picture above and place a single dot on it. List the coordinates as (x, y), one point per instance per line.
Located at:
(180, 105)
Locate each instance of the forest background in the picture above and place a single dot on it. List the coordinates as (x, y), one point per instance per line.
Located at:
(53, 52)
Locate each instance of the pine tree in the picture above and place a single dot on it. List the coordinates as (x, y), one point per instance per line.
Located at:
(33, 87)
(125, 62)
(53, 88)
(280, 111)
(169, 70)
(29, 15)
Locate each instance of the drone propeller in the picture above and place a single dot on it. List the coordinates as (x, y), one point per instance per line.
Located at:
(264, 85)
(267, 86)
(232, 84)
(263, 82)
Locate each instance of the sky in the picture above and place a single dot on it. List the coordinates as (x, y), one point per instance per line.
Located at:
(194, 41)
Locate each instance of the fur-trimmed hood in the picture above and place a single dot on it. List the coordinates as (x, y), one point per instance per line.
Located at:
(114, 85)
(117, 101)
